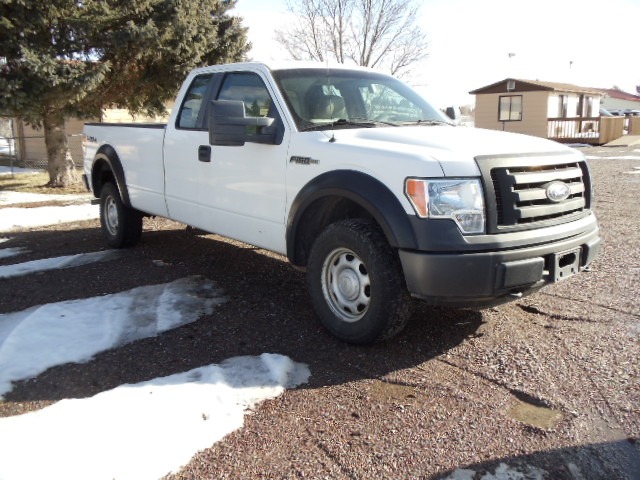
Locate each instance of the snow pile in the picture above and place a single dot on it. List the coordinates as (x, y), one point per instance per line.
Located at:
(74, 331)
(142, 431)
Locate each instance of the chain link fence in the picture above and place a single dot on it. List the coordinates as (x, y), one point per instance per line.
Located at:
(34, 155)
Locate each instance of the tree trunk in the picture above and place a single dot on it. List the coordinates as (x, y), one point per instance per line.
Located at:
(62, 172)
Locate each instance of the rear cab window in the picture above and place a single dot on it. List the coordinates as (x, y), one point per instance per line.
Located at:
(191, 115)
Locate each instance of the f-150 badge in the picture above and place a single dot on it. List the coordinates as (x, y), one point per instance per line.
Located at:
(304, 160)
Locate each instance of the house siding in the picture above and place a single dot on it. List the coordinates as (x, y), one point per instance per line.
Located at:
(573, 102)
(542, 113)
(534, 113)
(32, 149)
(121, 115)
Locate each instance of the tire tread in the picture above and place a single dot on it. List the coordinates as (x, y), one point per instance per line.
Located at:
(398, 302)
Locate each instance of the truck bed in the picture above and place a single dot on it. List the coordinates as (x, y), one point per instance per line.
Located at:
(139, 147)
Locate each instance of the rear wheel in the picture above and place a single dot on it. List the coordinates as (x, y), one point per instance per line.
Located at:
(356, 283)
(121, 225)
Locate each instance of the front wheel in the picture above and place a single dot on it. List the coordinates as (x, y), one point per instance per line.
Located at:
(356, 284)
(121, 225)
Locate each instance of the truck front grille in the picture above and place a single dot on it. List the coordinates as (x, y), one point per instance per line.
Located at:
(516, 191)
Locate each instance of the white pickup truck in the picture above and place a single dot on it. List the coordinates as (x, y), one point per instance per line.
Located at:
(357, 180)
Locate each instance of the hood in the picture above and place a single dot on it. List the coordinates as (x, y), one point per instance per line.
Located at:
(453, 147)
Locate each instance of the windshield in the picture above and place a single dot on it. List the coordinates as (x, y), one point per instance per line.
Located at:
(326, 98)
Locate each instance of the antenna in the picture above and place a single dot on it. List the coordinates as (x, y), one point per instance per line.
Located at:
(333, 133)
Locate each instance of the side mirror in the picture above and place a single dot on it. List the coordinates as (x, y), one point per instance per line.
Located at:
(453, 113)
(228, 125)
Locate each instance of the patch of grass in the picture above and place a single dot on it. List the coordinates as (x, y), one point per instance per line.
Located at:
(36, 183)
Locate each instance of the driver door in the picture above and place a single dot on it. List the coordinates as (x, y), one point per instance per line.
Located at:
(238, 191)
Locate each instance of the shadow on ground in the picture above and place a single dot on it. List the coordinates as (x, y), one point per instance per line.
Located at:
(610, 460)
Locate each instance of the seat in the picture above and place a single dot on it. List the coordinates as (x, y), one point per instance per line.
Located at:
(329, 107)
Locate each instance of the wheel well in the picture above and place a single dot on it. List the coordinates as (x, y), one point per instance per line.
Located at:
(320, 214)
(102, 174)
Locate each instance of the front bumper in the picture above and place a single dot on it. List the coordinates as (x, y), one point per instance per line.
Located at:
(486, 278)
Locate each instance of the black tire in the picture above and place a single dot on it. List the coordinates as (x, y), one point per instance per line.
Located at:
(121, 225)
(356, 283)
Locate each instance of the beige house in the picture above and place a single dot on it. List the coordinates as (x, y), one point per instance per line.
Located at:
(558, 111)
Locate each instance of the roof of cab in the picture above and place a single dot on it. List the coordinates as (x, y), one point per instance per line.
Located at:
(281, 65)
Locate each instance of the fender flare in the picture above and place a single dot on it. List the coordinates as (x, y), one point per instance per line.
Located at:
(106, 155)
(367, 192)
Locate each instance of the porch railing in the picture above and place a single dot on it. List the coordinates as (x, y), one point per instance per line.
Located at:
(593, 130)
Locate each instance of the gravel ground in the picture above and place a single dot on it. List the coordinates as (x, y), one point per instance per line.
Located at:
(550, 381)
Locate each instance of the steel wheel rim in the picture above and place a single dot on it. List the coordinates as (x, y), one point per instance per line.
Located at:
(111, 215)
(346, 285)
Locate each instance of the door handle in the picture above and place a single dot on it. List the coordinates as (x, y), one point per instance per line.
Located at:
(204, 153)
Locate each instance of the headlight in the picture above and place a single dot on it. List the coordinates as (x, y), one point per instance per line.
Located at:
(459, 200)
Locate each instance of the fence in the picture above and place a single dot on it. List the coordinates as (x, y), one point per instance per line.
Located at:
(593, 130)
(29, 151)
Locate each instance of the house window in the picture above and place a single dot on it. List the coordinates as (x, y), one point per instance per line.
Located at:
(563, 105)
(510, 108)
(588, 107)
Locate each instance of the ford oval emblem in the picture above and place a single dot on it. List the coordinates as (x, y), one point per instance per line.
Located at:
(557, 191)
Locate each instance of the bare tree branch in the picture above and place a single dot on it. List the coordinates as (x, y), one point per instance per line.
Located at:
(375, 33)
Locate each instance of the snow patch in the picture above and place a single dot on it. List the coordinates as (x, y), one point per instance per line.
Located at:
(16, 170)
(33, 340)
(146, 430)
(67, 261)
(503, 472)
(10, 197)
(11, 252)
(18, 218)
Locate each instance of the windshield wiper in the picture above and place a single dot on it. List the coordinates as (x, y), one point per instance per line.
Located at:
(428, 122)
(343, 122)
(375, 122)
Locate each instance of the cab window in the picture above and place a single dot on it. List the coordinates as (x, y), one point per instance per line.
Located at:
(249, 88)
(189, 116)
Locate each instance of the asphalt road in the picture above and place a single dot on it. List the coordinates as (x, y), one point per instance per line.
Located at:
(548, 383)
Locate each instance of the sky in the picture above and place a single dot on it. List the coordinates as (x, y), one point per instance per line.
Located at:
(589, 43)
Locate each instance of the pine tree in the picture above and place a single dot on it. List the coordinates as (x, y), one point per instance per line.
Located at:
(64, 58)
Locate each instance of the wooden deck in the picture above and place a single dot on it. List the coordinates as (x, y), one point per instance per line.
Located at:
(592, 130)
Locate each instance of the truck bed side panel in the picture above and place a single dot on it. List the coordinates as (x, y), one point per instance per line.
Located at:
(139, 148)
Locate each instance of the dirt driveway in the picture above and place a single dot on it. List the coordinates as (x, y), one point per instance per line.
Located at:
(548, 385)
